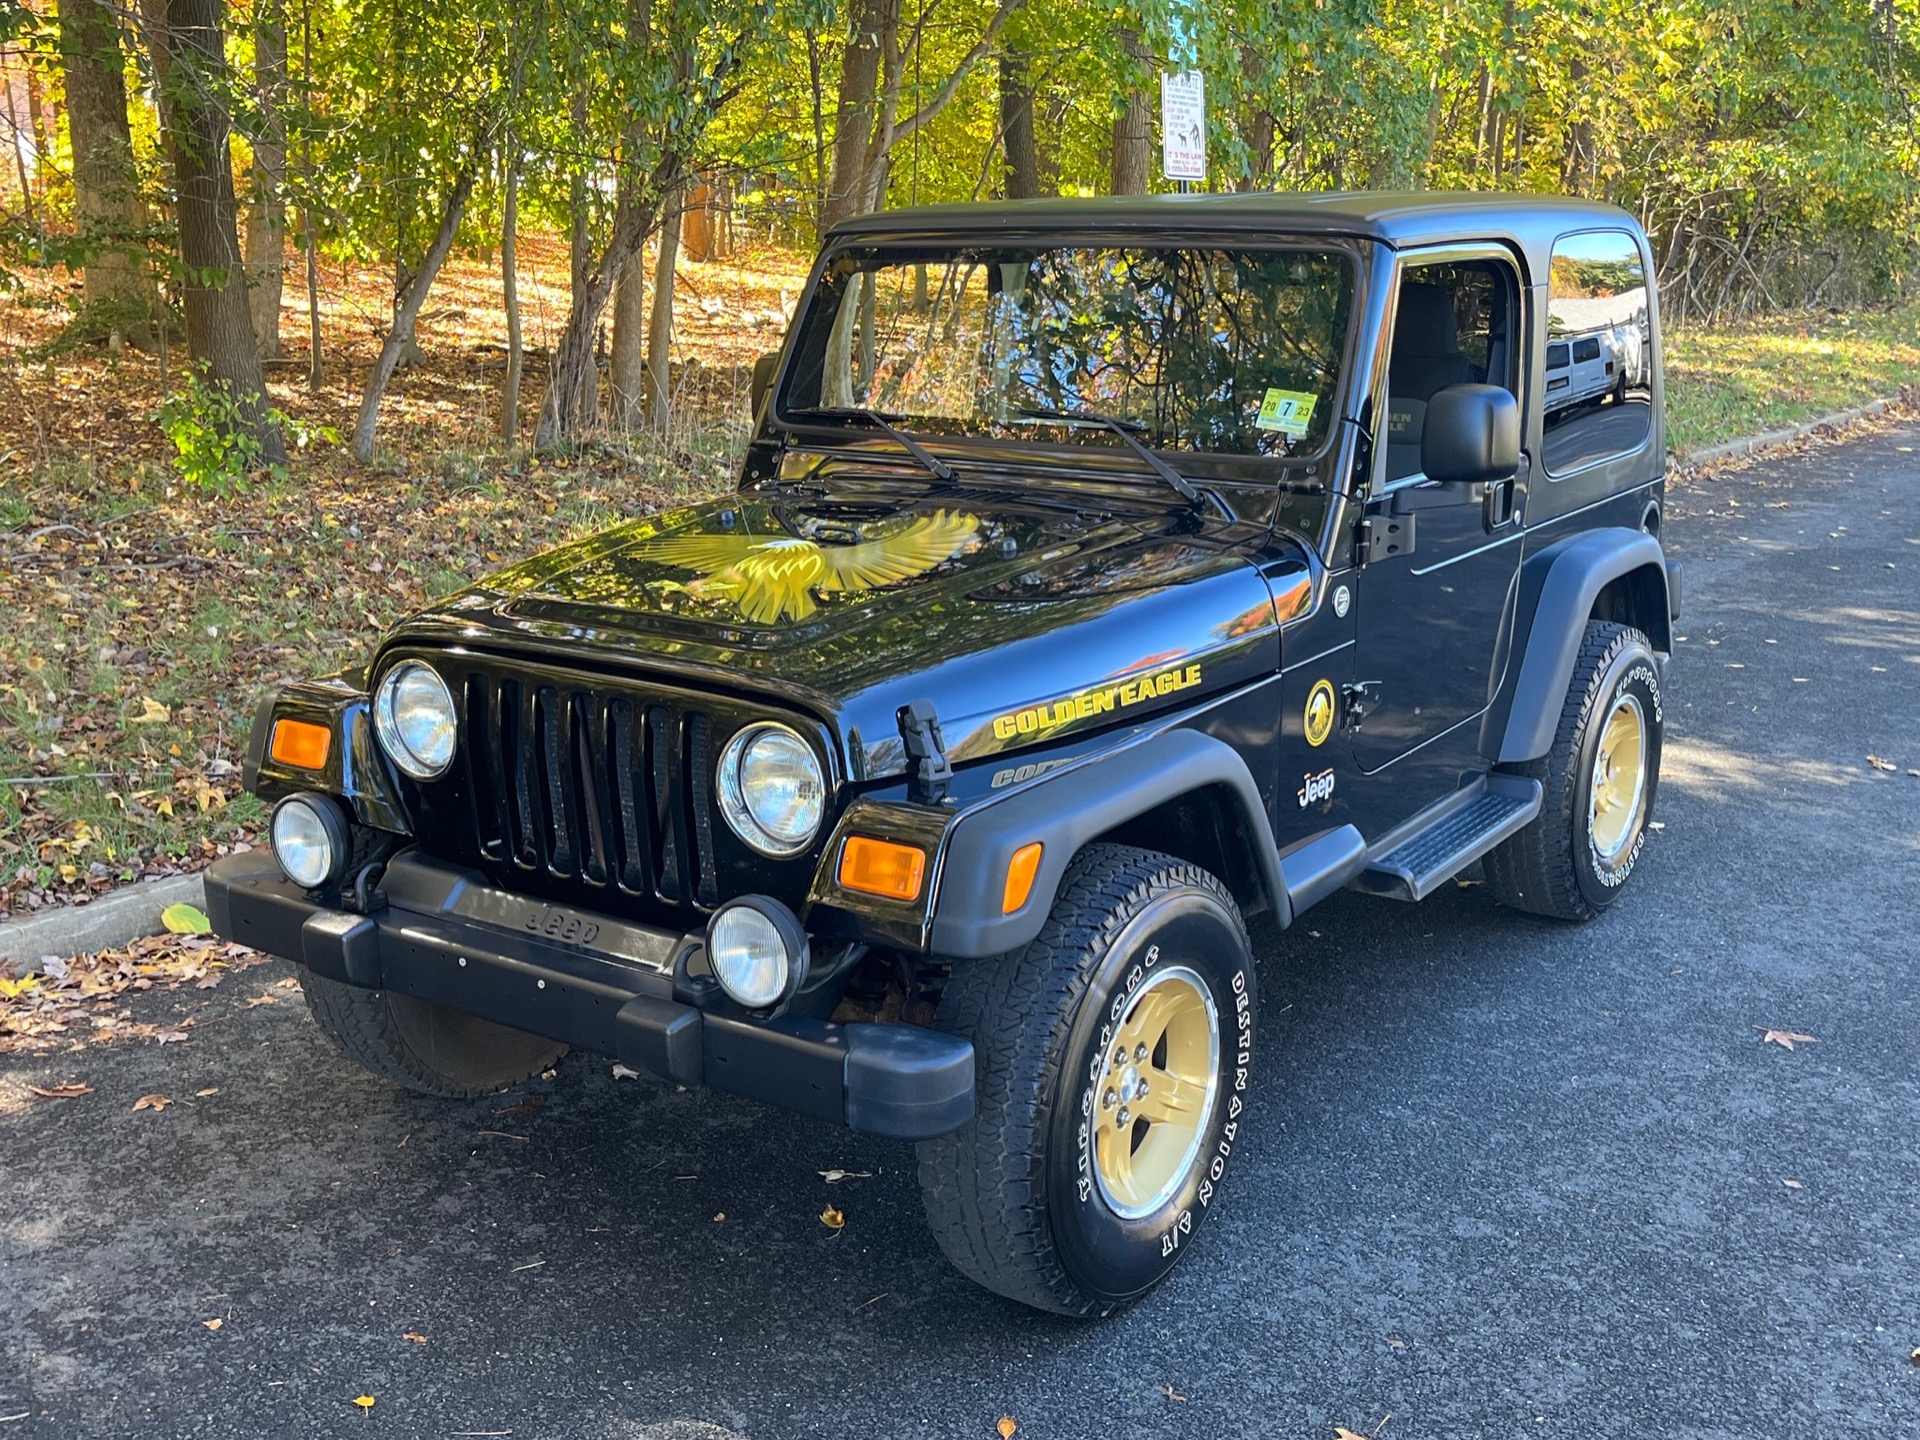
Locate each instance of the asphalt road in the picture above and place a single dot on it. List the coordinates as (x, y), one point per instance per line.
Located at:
(1505, 1177)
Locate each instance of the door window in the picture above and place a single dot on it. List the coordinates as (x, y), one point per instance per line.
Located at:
(1453, 325)
(1598, 402)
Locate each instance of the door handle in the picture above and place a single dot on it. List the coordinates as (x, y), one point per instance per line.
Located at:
(1499, 505)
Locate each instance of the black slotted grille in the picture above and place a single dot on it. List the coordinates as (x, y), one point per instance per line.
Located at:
(602, 790)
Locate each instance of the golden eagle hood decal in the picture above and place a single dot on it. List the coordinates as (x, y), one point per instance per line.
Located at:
(771, 576)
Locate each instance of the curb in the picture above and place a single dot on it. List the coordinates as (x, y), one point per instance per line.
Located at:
(117, 918)
(1768, 439)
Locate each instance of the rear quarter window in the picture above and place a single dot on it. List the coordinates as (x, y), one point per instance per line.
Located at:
(1597, 324)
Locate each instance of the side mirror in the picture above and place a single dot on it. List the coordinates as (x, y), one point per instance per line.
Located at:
(762, 382)
(1472, 435)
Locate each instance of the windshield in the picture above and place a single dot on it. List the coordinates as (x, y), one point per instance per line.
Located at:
(1226, 352)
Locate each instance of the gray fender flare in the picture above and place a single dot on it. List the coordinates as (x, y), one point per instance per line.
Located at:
(1063, 812)
(1565, 580)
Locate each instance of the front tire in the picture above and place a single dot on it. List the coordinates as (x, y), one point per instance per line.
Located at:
(1086, 1173)
(425, 1047)
(1577, 855)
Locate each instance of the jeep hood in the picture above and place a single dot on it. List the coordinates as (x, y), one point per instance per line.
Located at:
(1020, 622)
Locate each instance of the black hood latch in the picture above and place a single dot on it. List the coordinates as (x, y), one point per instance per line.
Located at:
(932, 772)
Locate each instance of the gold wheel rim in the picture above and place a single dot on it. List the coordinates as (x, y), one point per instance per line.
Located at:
(1155, 1092)
(1617, 795)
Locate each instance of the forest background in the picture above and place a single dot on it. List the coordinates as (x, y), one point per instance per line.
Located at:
(312, 308)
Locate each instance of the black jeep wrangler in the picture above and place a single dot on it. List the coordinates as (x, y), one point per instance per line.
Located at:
(1101, 572)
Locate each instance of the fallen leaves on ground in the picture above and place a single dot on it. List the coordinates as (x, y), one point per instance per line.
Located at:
(155, 1103)
(62, 1092)
(213, 1324)
(624, 1072)
(1794, 1184)
(81, 1003)
(186, 920)
(1877, 763)
(834, 1177)
(365, 1402)
(1785, 1039)
(416, 1339)
(1005, 1426)
(1171, 1393)
(833, 1219)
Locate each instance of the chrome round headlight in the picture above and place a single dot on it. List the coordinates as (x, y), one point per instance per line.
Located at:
(757, 951)
(772, 789)
(414, 718)
(310, 840)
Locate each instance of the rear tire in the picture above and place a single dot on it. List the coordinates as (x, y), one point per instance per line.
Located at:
(1577, 855)
(427, 1048)
(1056, 1194)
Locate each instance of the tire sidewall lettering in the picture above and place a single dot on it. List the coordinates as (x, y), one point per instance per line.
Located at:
(1136, 1253)
(1631, 671)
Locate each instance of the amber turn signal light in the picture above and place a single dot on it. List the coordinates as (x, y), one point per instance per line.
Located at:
(300, 744)
(881, 867)
(1020, 872)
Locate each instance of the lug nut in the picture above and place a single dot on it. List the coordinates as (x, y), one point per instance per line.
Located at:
(1140, 1088)
(1124, 1118)
(1108, 1099)
(1139, 1054)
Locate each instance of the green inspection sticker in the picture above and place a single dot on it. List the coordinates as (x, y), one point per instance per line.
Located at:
(1287, 411)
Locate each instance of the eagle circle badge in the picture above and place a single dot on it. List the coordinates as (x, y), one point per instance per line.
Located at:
(1319, 714)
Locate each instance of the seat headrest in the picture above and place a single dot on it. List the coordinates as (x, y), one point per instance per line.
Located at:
(1426, 324)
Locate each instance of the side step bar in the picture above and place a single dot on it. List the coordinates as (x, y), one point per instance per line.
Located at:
(1413, 861)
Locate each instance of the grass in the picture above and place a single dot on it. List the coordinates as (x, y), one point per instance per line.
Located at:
(144, 619)
(1742, 380)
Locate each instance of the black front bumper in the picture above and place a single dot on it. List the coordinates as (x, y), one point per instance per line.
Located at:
(445, 936)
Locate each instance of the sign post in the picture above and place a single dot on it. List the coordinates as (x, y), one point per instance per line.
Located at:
(1183, 126)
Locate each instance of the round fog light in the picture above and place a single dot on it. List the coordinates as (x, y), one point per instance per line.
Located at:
(310, 840)
(757, 951)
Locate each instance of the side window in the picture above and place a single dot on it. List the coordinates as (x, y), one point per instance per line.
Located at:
(1453, 325)
(1598, 402)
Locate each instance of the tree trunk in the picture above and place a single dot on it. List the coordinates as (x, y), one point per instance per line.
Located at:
(660, 321)
(20, 159)
(314, 371)
(190, 56)
(853, 119)
(267, 214)
(406, 310)
(1258, 127)
(510, 294)
(1016, 125)
(586, 403)
(1132, 168)
(560, 415)
(105, 184)
(626, 376)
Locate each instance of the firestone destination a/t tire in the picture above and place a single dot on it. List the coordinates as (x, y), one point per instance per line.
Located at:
(425, 1047)
(1575, 858)
(1113, 1057)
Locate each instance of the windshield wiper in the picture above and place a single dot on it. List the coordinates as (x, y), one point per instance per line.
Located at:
(1127, 431)
(942, 471)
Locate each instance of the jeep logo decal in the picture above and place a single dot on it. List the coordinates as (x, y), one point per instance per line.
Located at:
(1317, 791)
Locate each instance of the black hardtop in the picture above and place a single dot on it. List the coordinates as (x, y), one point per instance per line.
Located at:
(1399, 219)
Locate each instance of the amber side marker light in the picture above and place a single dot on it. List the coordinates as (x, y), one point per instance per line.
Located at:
(301, 745)
(881, 867)
(1020, 872)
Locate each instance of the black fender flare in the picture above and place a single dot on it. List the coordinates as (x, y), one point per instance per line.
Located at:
(1563, 581)
(1069, 808)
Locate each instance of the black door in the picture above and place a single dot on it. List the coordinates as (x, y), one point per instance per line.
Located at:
(1442, 559)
